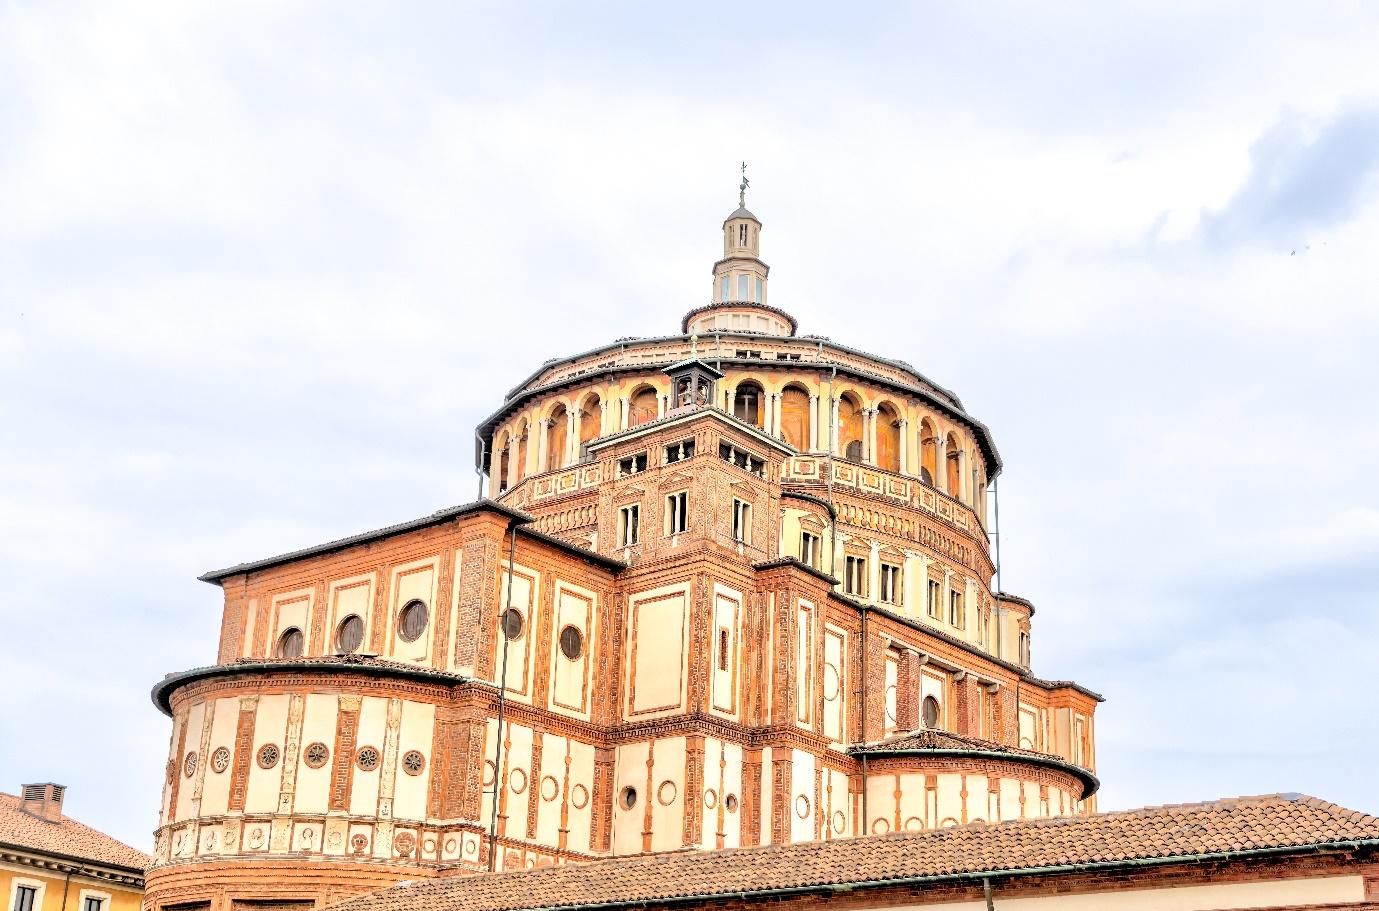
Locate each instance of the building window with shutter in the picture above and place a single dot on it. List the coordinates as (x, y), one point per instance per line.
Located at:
(890, 583)
(742, 522)
(92, 903)
(629, 525)
(957, 616)
(677, 508)
(855, 576)
(24, 898)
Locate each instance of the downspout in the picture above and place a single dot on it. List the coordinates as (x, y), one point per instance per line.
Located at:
(986, 893)
(502, 704)
(65, 884)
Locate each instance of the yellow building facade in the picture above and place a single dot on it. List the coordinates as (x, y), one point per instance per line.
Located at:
(50, 862)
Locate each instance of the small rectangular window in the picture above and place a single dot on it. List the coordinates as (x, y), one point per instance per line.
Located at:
(855, 576)
(723, 288)
(24, 898)
(741, 288)
(93, 903)
(678, 452)
(742, 459)
(757, 298)
(809, 549)
(632, 464)
(890, 583)
(677, 520)
(931, 602)
(629, 525)
(957, 617)
(742, 522)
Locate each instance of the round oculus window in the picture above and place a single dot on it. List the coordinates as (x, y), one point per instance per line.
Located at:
(220, 759)
(349, 635)
(411, 621)
(316, 755)
(189, 765)
(931, 712)
(413, 763)
(291, 643)
(268, 755)
(571, 643)
(730, 803)
(367, 759)
(627, 798)
(512, 623)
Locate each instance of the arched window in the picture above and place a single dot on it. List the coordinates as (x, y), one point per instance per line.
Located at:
(850, 428)
(887, 438)
(954, 460)
(928, 453)
(556, 431)
(747, 403)
(795, 417)
(642, 408)
(291, 643)
(1024, 649)
(349, 635)
(590, 414)
(504, 462)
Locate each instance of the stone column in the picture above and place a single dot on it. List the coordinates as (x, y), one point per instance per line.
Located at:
(833, 425)
(662, 405)
(869, 430)
(494, 462)
(941, 462)
(775, 414)
(730, 400)
(513, 467)
(603, 415)
(813, 422)
(626, 404)
(905, 447)
(571, 437)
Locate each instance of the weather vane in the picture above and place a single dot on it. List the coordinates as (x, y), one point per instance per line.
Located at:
(742, 190)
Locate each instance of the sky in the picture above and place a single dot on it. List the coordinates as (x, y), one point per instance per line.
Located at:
(264, 266)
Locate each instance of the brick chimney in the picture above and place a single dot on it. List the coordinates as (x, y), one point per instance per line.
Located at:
(43, 800)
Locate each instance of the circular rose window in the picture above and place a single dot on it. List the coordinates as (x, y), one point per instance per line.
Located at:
(189, 765)
(367, 759)
(413, 762)
(268, 755)
(316, 755)
(220, 760)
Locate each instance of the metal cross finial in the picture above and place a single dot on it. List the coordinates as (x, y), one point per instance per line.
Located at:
(742, 190)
